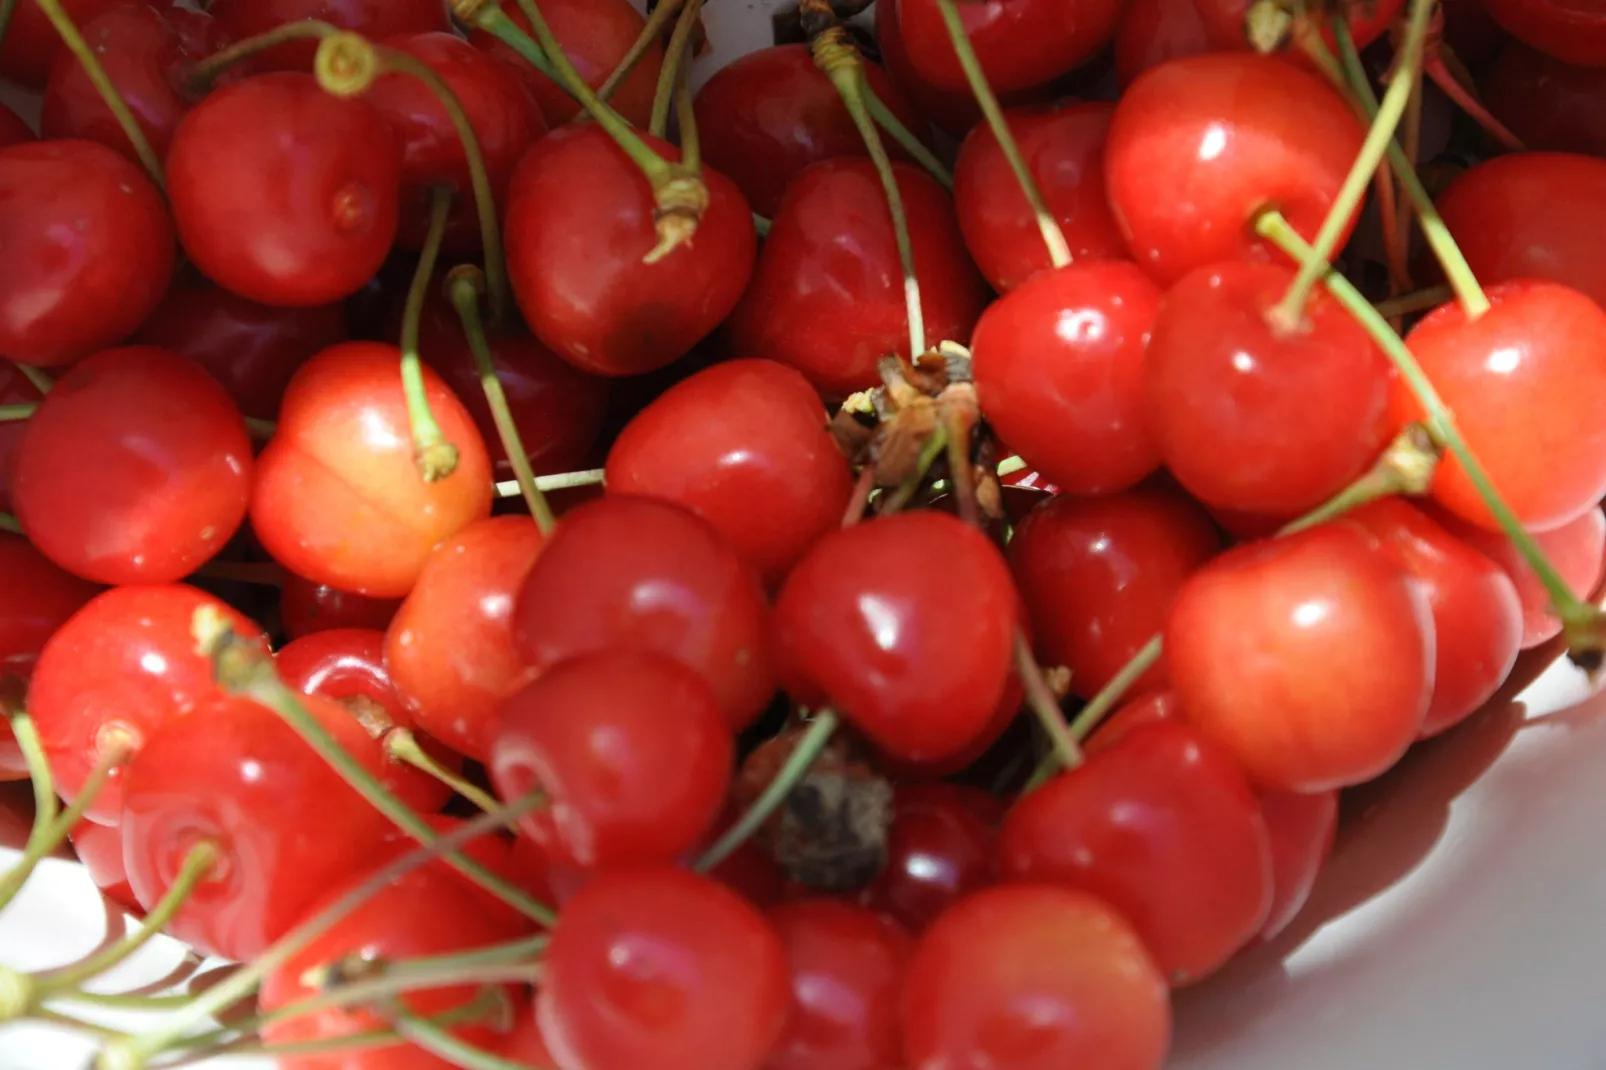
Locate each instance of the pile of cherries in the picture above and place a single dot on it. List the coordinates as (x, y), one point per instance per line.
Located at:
(961, 596)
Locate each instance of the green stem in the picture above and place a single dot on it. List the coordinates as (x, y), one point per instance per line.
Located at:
(887, 120)
(10, 523)
(797, 764)
(1044, 705)
(123, 1002)
(260, 430)
(7, 7)
(437, 1041)
(761, 225)
(199, 77)
(676, 56)
(589, 477)
(1406, 467)
(1419, 301)
(901, 497)
(41, 382)
(436, 458)
(44, 800)
(691, 143)
(653, 29)
(402, 745)
(10, 413)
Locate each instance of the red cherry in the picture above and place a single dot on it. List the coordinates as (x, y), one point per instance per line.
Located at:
(954, 111)
(1154, 31)
(1527, 383)
(1301, 828)
(827, 296)
(89, 249)
(1477, 616)
(771, 112)
(1228, 393)
(500, 109)
(1573, 31)
(15, 389)
(13, 130)
(1034, 977)
(374, 19)
(906, 625)
(939, 849)
(1059, 367)
(284, 193)
(31, 43)
(1156, 707)
(100, 849)
(525, 1042)
(1063, 145)
(1225, 23)
(1546, 103)
(1472, 32)
(495, 852)
(1199, 145)
(1019, 43)
(1098, 576)
(338, 497)
(1309, 657)
(658, 967)
(744, 445)
(306, 608)
(450, 650)
(39, 598)
(580, 221)
(636, 574)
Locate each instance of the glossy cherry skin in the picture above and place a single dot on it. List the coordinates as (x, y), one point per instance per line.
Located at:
(100, 849)
(1228, 394)
(580, 222)
(637, 574)
(338, 498)
(112, 674)
(306, 608)
(1548, 104)
(1164, 828)
(1477, 615)
(450, 650)
(1532, 215)
(1527, 383)
(1060, 369)
(743, 444)
(13, 131)
(939, 849)
(1301, 829)
(1224, 24)
(1063, 145)
(1199, 145)
(1019, 43)
(135, 469)
(1155, 707)
(501, 110)
(15, 389)
(1573, 31)
(1034, 977)
(374, 19)
(285, 825)
(656, 966)
(827, 296)
(1098, 576)
(251, 349)
(914, 654)
(1309, 658)
(307, 206)
(1154, 31)
(768, 114)
(494, 851)
(89, 250)
(31, 43)
(39, 598)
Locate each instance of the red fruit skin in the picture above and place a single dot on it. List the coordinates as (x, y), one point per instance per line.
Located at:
(1527, 383)
(374, 19)
(15, 389)
(100, 849)
(939, 850)
(135, 469)
(827, 295)
(13, 131)
(1224, 20)
(450, 650)
(1034, 977)
(1156, 707)
(1019, 43)
(1548, 104)
(1301, 828)
(1063, 146)
(89, 250)
(305, 208)
(656, 966)
(31, 43)
(1573, 31)
(745, 445)
(579, 223)
(39, 598)
(306, 608)
(493, 851)
(1185, 188)
(1152, 32)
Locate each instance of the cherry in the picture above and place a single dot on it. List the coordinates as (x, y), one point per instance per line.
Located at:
(39, 598)
(847, 974)
(1199, 146)
(1547, 103)
(744, 445)
(1033, 977)
(626, 573)
(100, 849)
(115, 672)
(1301, 828)
(374, 19)
(13, 130)
(1154, 31)
(1477, 616)
(89, 249)
(827, 296)
(1098, 576)
(525, 1043)
(338, 497)
(1228, 391)
(496, 853)
(347, 666)
(770, 113)
(1060, 368)
(659, 967)
(306, 608)
(579, 223)
(1224, 23)
(500, 108)
(282, 192)
(1063, 146)
(1155, 707)
(449, 651)
(939, 849)
(1309, 657)
(1527, 383)
(1471, 32)
(15, 389)
(1573, 31)
(906, 625)
(31, 43)
(1019, 43)
(251, 349)
(1532, 215)
(953, 110)
(285, 826)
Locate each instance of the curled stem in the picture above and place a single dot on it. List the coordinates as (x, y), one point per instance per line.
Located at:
(677, 56)
(402, 745)
(198, 78)
(1045, 707)
(436, 458)
(888, 120)
(653, 29)
(15, 413)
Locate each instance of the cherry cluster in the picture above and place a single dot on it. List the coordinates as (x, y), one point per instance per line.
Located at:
(884, 561)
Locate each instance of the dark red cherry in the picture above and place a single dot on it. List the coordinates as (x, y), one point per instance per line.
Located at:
(580, 222)
(1573, 31)
(1472, 32)
(135, 469)
(827, 296)
(374, 19)
(284, 193)
(1154, 31)
(89, 249)
(744, 444)
(13, 130)
(1548, 104)
(1224, 23)
(1301, 829)
(1019, 43)
(939, 849)
(306, 608)
(31, 43)
(39, 598)
(15, 389)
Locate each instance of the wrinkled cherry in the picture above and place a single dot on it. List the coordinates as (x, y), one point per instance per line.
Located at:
(1301, 828)
(306, 608)
(1152, 32)
(374, 19)
(31, 43)
(939, 849)
(1019, 43)
(1548, 104)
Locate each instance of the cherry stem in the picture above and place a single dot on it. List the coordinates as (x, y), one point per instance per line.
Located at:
(437, 1041)
(761, 225)
(260, 573)
(436, 458)
(860, 500)
(1419, 301)
(691, 145)
(11, 413)
(590, 477)
(1406, 467)
(651, 31)
(402, 746)
(41, 382)
(10, 523)
(677, 55)
(1288, 313)
(198, 77)
(796, 766)
(888, 121)
(1399, 240)
(929, 453)
(7, 7)
(957, 439)
(1467, 102)
(1059, 253)
(1067, 752)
